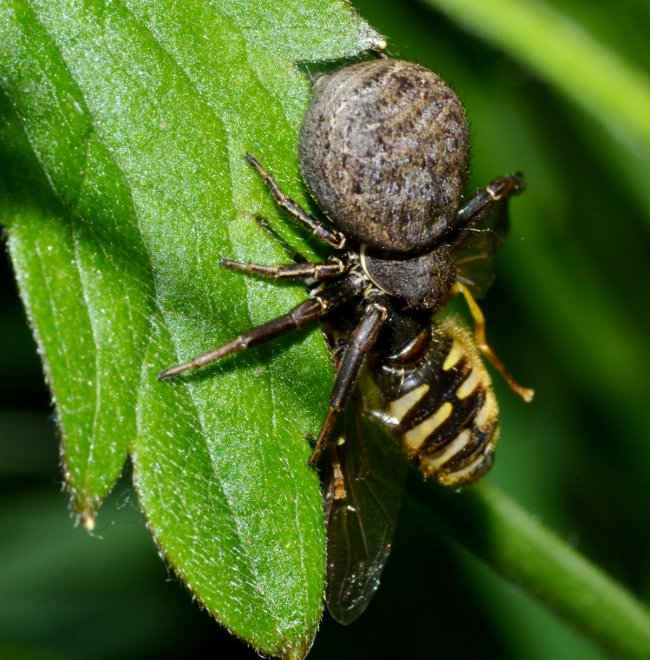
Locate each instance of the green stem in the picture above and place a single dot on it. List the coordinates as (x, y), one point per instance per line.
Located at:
(511, 541)
(565, 54)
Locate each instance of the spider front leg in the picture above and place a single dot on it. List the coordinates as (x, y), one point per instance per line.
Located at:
(362, 340)
(312, 309)
(297, 318)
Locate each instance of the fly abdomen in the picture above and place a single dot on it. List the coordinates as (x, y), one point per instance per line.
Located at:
(443, 404)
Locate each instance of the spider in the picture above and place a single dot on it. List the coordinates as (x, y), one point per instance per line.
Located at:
(384, 151)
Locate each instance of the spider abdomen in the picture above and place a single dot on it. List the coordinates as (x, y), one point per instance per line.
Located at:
(443, 406)
(384, 150)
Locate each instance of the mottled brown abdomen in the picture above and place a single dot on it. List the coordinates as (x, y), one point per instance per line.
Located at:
(383, 150)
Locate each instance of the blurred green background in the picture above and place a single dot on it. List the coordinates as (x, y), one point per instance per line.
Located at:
(569, 315)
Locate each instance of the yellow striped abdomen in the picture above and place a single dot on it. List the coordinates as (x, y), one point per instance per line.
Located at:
(440, 398)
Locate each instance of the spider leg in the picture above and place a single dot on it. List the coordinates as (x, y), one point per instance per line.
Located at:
(292, 253)
(494, 193)
(330, 268)
(318, 229)
(362, 340)
(481, 341)
(304, 313)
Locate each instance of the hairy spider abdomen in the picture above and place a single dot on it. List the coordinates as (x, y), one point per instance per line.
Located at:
(384, 151)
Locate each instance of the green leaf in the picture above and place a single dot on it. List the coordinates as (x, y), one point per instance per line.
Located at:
(124, 129)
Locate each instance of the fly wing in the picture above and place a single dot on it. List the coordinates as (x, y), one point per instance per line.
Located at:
(478, 243)
(360, 527)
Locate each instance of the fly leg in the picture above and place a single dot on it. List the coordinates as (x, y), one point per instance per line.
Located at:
(481, 341)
